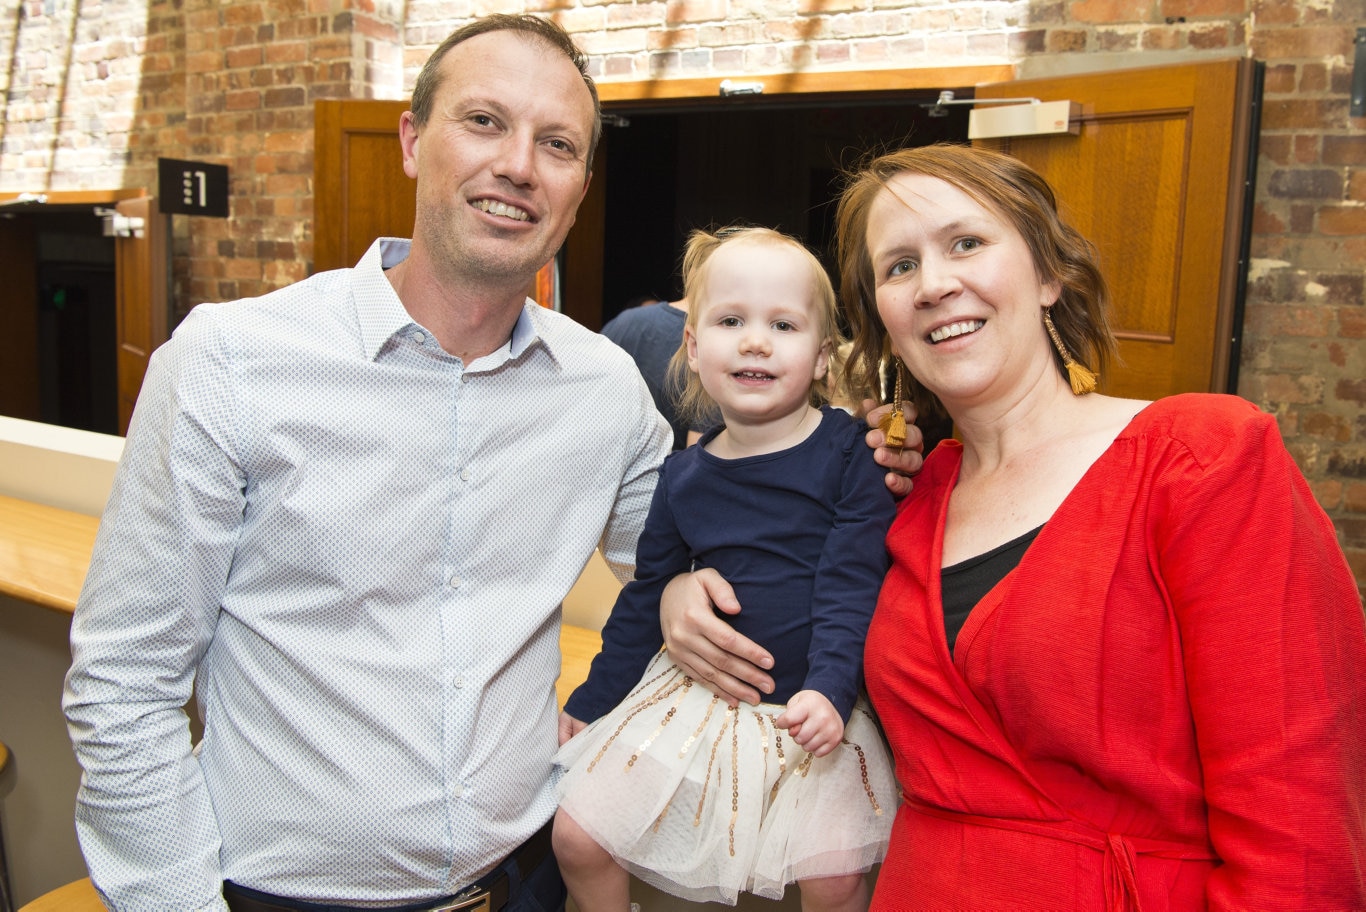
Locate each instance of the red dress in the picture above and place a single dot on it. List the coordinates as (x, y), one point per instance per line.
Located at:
(1162, 706)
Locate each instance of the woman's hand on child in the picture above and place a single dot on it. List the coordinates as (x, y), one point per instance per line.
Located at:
(569, 727)
(708, 649)
(811, 721)
(903, 462)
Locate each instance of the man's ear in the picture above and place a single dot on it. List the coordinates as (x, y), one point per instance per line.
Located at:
(407, 140)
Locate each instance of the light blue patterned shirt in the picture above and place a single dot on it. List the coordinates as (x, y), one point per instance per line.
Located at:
(354, 548)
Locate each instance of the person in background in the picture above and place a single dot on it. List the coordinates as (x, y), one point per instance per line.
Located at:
(322, 528)
(1119, 652)
(651, 332)
(786, 502)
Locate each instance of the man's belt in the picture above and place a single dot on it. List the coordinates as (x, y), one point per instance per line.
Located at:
(489, 894)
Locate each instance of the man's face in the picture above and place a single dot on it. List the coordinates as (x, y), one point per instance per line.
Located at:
(501, 164)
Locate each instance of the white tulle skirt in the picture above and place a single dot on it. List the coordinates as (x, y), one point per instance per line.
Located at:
(703, 801)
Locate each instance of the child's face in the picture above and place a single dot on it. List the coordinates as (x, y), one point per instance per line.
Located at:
(759, 340)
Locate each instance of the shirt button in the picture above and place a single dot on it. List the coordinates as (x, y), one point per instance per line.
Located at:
(459, 682)
(457, 790)
(419, 338)
(465, 474)
(454, 581)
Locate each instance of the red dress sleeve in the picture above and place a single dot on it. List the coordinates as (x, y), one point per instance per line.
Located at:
(1274, 648)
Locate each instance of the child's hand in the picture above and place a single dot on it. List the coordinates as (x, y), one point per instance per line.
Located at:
(569, 727)
(812, 722)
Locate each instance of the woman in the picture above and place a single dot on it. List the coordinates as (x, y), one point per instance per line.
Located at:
(1119, 656)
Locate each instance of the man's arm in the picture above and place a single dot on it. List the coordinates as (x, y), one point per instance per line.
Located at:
(709, 649)
(144, 619)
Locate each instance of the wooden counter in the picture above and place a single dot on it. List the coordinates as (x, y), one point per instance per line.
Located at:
(45, 552)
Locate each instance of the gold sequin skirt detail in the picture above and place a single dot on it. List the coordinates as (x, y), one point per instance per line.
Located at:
(705, 802)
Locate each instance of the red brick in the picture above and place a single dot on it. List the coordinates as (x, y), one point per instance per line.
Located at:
(1266, 222)
(1344, 150)
(1209, 36)
(1300, 114)
(1352, 323)
(1307, 149)
(1316, 42)
(1110, 11)
(1066, 40)
(1200, 9)
(1340, 220)
(1327, 426)
(1275, 148)
(1328, 492)
(1354, 496)
(1302, 218)
(1313, 77)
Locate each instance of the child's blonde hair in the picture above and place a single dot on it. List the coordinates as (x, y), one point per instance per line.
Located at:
(694, 403)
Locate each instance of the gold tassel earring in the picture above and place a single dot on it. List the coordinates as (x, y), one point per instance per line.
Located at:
(893, 424)
(1082, 380)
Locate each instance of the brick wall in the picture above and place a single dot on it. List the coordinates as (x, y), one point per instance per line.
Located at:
(93, 93)
(1304, 354)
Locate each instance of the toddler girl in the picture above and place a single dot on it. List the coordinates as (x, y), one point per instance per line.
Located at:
(694, 797)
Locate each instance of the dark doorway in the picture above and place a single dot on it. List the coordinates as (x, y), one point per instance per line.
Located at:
(59, 307)
(741, 160)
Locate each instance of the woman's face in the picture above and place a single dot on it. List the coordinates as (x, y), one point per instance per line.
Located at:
(958, 292)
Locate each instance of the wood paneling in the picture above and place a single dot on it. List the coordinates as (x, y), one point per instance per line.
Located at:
(361, 192)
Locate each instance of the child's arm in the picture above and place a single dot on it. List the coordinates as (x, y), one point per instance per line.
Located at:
(631, 636)
(812, 721)
(849, 577)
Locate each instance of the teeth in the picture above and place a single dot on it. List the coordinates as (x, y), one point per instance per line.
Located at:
(956, 329)
(753, 375)
(492, 207)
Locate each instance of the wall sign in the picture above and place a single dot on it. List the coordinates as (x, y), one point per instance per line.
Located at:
(192, 188)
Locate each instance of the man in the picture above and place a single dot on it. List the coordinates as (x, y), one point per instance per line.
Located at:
(333, 522)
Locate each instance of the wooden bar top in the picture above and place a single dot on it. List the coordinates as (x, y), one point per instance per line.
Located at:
(45, 552)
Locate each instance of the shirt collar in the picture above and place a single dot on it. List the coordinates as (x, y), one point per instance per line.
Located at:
(379, 311)
(382, 315)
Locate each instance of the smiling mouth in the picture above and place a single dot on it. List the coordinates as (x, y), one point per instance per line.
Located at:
(493, 207)
(953, 330)
(752, 375)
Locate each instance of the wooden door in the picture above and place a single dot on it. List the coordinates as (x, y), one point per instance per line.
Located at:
(140, 266)
(360, 190)
(1156, 180)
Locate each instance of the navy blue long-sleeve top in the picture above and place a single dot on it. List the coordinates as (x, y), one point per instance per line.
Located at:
(797, 533)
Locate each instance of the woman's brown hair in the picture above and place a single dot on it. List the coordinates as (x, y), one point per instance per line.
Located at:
(1024, 199)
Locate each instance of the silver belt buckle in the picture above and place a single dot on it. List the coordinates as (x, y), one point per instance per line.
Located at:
(475, 901)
